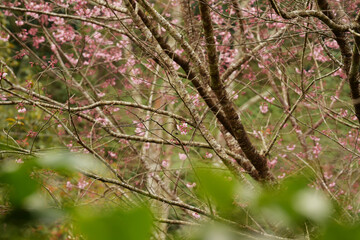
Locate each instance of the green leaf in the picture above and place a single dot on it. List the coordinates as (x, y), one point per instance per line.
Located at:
(219, 187)
(134, 224)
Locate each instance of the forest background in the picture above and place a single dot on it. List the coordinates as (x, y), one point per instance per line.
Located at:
(138, 119)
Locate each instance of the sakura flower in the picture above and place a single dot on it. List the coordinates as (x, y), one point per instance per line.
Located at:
(183, 128)
(264, 108)
(281, 176)
(3, 75)
(235, 96)
(343, 112)
(22, 110)
(195, 215)
(182, 156)
(19, 22)
(317, 150)
(2, 97)
(101, 94)
(165, 163)
(270, 100)
(208, 155)
(69, 185)
(102, 121)
(298, 131)
(19, 161)
(190, 185)
(147, 145)
(4, 37)
(82, 184)
(314, 138)
(139, 131)
(112, 154)
(290, 147)
(273, 162)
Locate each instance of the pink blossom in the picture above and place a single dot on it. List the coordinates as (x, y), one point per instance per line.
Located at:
(264, 108)
(37, 41)
(19, 22)
(112, 154)
(190, 185)
(20, 161)
(101, 94)
(314, 138)
(332, 44)
(343, 112)
(22, 110)
(281, 176)
(298, 131)
(33, 31)
(273, 162)
(208, 155)
(69, 185)
(290, 147)
(4, 37)
(332, 184)
(3, 75)
(182, 156)
(165, 163)
(183, 128)
(317, 150)
(102, 121)
(270, 100)
(147, 145)
(82, 184)
(3, 97)
(195, 215)
(235, 96)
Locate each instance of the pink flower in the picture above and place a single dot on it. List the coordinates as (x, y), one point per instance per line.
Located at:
(165, 163)
(69, 185)
(4, 37)
(183, 128)
(195, 215)
(270, 100)
(272, 163)
(235, 96)
(317, 150)
(147, 145)
(190, 185)
(82, 184)
(3, 75)
(208, 155)
(314, 138)
(264, 108)
(22, 110)
(290, 147)
(182, 156)
(281, 176)
(19, 22)
(19, 161)
(112, 154)
(101, 94)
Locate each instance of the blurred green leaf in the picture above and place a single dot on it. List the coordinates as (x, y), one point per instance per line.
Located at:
(64, 161)
(134, 224)
(18, 179)
(219, 187)
(334, 231)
